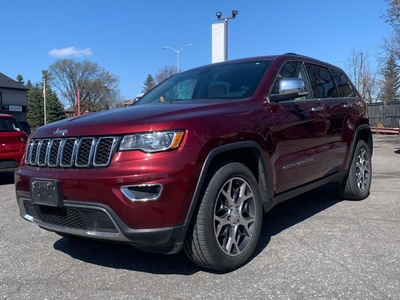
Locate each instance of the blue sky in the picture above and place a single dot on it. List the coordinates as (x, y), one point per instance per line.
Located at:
(126, 37)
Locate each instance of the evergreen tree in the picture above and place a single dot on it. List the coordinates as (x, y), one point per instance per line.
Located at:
(20, 79)
(54, 108)
(391, 81)
(35, 106)
(148, 84)
(35, 99)
(29, 84)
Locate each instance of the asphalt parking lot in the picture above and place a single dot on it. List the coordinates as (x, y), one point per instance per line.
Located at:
(315, 246)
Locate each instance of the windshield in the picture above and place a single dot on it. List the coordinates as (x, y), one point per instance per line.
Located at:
(220, 81)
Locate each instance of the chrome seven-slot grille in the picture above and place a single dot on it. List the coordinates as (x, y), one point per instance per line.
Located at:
(70, 152)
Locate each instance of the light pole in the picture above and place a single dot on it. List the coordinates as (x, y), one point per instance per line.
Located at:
(177, 53)
(219, 17)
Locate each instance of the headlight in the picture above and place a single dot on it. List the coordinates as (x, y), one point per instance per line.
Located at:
(152, 141)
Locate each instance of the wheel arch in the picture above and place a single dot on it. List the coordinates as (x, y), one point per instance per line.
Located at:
(248, 153)
(364, 133)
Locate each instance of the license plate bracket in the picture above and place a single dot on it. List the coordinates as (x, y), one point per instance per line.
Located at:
(46, 192)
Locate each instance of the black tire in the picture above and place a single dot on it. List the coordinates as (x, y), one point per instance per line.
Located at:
(357, 184)
(225, 231)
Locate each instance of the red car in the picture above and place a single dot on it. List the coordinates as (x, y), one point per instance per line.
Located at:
(198, 159)
(12, 143)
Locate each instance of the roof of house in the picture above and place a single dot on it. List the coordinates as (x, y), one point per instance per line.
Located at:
(7, 82)
(69, 109)
(126, 102)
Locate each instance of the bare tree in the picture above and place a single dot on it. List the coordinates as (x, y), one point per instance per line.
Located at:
(98, 87)
(359, 70)
(392, 15)
(165, 73)
(391, 44)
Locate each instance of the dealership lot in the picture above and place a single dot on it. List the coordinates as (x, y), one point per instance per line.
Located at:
(312, 247)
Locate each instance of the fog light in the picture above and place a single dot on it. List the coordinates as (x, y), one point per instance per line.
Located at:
(142, 192)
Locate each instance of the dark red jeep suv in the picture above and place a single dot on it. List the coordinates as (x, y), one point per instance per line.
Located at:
(198, 159)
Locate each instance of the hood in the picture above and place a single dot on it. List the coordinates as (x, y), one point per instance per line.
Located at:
(137, 118)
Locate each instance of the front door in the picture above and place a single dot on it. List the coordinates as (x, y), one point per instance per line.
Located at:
(299, 133)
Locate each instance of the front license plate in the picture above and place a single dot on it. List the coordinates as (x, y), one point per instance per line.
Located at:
(46, 192)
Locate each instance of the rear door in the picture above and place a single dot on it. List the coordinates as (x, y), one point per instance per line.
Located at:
(339, 99)
(299, 134)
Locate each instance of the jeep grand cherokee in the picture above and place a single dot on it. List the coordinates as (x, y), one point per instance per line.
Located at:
(198, 159)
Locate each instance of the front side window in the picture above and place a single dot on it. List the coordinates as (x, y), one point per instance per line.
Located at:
(220, 81)
(292, 69)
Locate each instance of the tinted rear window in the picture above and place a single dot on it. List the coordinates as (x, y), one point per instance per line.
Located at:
(322, 82)
(343, 84)
(8, 125)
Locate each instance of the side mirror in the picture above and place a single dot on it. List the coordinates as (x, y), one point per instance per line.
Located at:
(290, 88)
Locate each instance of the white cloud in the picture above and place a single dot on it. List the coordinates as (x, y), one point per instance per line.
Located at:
(70, 51)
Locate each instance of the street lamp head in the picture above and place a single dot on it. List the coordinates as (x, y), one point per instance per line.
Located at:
(219, 15)
(234, 13)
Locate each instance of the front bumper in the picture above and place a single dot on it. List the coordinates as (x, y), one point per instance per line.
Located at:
(100, 222)
(8, 165)
(116, 203)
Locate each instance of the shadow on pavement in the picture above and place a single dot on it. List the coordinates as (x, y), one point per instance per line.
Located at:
(6, 178)
(121, 256)
(294, 211)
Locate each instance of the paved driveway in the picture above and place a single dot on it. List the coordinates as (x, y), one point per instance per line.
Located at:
(312, 247)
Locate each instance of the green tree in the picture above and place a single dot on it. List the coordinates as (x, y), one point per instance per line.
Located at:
(148, 84)
(54, 108)
(20, 79)
(35, 106)
(35, 101)
(29, 84)
(391, 79)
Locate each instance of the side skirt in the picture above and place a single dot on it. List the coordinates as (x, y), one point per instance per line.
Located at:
(334, 179)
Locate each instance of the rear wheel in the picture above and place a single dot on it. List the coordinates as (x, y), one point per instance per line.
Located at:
(226, 229)
(357, 183)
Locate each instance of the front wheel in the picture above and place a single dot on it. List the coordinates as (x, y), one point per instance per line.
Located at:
(225, 231)
(357, 183)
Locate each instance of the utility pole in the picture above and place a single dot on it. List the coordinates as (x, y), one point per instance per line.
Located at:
(177, 54)
(219, 17)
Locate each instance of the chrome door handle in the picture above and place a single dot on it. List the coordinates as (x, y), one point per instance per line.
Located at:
(317, 108)
(347, 105)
